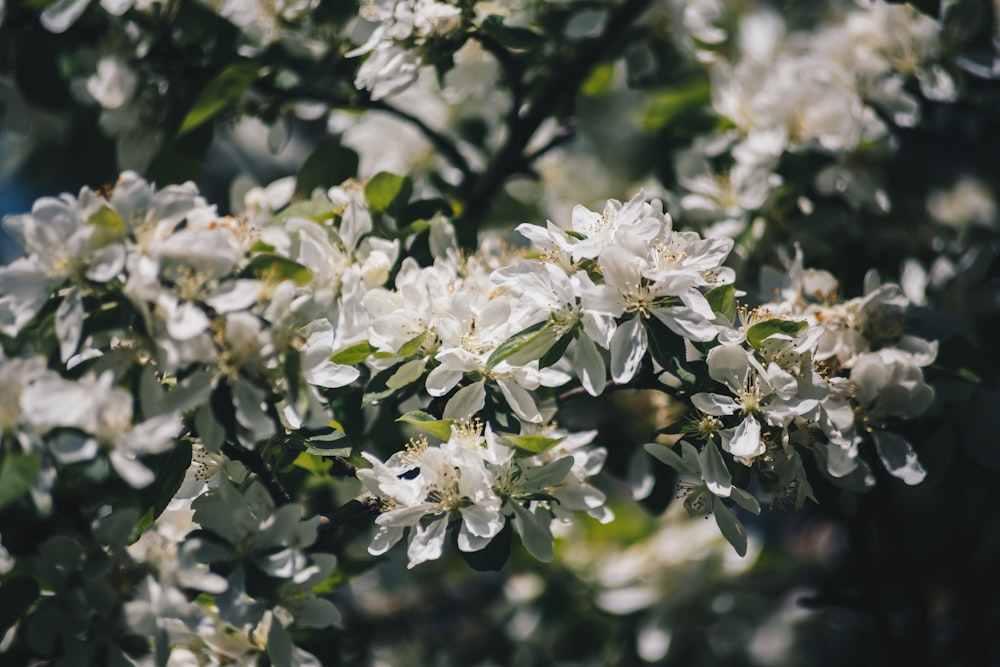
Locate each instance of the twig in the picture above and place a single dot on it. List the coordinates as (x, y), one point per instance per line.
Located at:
(352, 509)
(512, 69)
(342, 467)
(256, 464)
(441, 142)
(565, 80)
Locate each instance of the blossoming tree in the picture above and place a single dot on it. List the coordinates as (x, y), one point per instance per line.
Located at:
(337, 290)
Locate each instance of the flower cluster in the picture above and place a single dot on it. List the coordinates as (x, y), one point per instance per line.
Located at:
(835, 90)
(477, 480)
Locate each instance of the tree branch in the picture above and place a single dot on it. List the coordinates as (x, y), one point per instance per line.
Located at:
(256, 464)
(352, 509)
(565, 80)
(444, 145)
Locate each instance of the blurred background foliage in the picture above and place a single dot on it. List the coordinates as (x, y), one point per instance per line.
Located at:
(900, 575)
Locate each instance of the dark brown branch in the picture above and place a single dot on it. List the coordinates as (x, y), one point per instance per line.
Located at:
(360, 506)
(441, 142)
(256, 464)
(342, 467)
(512, 69)
(565, 80)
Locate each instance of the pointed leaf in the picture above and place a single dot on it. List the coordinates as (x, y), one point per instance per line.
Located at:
(328, 165)
(439, 428)
(745, 500)
(275, 267)
(722, 299)
(536, 444)
(385, 191)
(667, 455)
(220, 92)
(524, 339)
(412, 346)
(18, 473)
(760, 331)
(714, 470)
(354, 354)
(734, 531)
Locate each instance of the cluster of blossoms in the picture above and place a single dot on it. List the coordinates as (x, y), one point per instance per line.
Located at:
(393, 47)
(168, 329)
(834, 91)
(474, 477)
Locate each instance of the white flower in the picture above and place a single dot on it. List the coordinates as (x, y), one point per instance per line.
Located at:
(103, 415)
(453, 482)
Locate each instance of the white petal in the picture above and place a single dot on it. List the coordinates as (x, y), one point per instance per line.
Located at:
(466, 402)
(745, 441)
(628, 346)
(520, 401)
(69, 323)
(898, 457)
(441, 380)
(427, 543)
(60, 15)
(589, 366)
(240, 295)
(715, 404)
(129, 469)
(331, 375)
(69, 447)
(106, 263)
(479, 526)
(385, 538)
(186, 321)
(714, 471)
(153, 436)
(686, 323)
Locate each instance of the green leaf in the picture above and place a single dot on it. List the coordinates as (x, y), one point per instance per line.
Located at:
(690, 455)
(325, 441)
(600, 80)
(745, 500)
(513, 37)
(536, 444)
(731, 528)
(220, 92)
(18, 473)
(329, 164)
(667, 455)
(667, 106)
(323, 450)
(722, 299)
(108, 222)
(170, 469)
(413, 345)
(555, 352)
(316, 210)
(276, 267)
(377, 389)
(387, 191)
(261, 246)
(355, 354)
(762, 330)
(439, 428)
(315, 464)
(524, 346)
